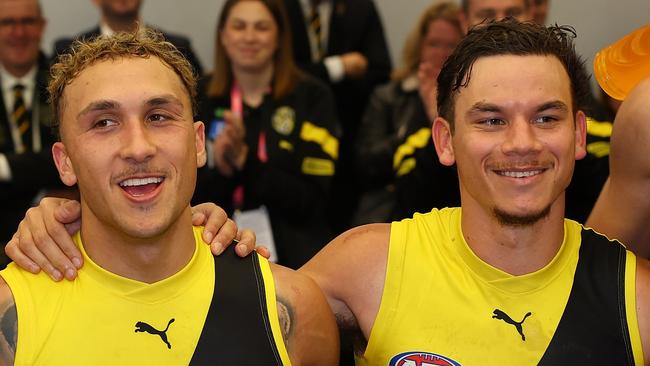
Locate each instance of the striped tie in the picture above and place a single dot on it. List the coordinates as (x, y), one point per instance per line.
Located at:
(315, 26)
(21, 116)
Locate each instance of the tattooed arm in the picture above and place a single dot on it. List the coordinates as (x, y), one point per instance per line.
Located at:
(8, 325)
(307, 323)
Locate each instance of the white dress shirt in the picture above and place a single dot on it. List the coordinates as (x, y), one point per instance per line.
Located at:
(7, 83)
(333, 64)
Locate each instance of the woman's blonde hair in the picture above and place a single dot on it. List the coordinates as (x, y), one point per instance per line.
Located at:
(446, 11)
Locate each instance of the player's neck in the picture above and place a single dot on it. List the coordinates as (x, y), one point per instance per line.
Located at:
(516, 250)
(143, 259)
(254, 83)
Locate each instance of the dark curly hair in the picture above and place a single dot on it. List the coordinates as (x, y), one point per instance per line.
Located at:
(510, 37)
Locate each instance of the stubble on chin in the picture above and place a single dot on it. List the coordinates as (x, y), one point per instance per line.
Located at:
(516, 220)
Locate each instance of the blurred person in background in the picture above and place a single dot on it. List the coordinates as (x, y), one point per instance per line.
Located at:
(342, 42)
(273, 129)
(26, 166)
(475, 12)
(124, 16)
(540, 10)
(397, 111)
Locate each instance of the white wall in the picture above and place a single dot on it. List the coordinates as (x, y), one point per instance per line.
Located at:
(598, 22)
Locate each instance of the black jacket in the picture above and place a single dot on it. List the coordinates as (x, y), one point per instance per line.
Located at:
(31, 171)
(294, 184)
(354, 26)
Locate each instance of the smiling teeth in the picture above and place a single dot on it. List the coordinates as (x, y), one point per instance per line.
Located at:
(529, 173)
(140, 181)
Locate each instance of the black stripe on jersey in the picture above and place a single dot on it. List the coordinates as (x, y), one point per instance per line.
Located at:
(237, 329)
(593, 328)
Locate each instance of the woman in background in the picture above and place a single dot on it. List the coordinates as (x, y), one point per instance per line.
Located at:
(395, 124)
(272, 130)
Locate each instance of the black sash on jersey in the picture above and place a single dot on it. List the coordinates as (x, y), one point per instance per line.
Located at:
(237, 329)
(593, 328)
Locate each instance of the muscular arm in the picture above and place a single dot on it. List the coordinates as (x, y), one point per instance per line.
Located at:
(8, 325)
(307, 324)
(351, 270)
(623, 210)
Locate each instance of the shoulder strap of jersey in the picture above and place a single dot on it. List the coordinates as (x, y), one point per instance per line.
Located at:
(593, 328)
(236, 330)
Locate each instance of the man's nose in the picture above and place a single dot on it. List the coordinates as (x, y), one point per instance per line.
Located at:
(521, 138)
(137, 142)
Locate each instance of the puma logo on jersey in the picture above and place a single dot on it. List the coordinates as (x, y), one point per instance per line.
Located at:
(144, 327)
(498, 314)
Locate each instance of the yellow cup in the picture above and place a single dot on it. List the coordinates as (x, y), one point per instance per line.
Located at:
(623, 64)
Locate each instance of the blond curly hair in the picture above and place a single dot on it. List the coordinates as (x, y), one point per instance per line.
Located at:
(143, 43)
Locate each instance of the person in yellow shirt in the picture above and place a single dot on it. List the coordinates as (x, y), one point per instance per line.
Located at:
(149, 292)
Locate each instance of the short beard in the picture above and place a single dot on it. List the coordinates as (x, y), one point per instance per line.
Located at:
(508, 219)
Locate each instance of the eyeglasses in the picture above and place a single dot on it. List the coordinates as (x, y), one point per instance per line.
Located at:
(27, 22)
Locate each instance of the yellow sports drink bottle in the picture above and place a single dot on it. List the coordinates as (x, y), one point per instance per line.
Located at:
(619, 67)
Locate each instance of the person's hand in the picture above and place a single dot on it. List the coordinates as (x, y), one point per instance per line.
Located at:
(355, 64)
(230, 148)
(43, 240)
(428, 80)
(215, 220)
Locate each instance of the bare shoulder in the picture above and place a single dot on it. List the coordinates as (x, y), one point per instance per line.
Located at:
(351, 270)
(622, 209)
(8, 325)
(643, 304)
(631, 132)
(307, 323)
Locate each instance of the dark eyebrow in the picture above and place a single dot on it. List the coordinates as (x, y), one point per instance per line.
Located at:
(106, 105)
(557, 105)
(164, 100)
(100, 105)
(479, 107)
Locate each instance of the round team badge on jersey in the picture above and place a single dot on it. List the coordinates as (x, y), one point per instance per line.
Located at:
(421, 359)
(284, 120)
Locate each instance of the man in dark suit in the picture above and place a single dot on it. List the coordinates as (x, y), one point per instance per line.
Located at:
(342, 42)
(26, 166)
(124, 16)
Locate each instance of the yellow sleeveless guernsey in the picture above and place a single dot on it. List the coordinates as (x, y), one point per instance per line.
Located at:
(442, 305)
(104, 319)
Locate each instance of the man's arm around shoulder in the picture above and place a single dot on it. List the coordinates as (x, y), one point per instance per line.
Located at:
(351, 270)
(307, 323)
(8, 325)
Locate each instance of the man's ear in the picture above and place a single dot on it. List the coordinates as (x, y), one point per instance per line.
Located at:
(441, 134)
(63, 164)
(201, 155)
(581, 135)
